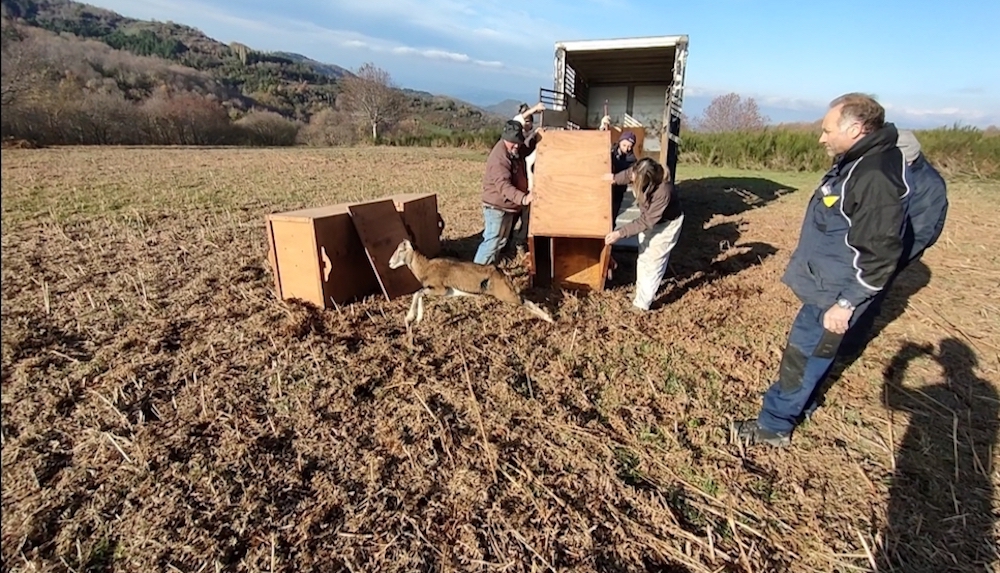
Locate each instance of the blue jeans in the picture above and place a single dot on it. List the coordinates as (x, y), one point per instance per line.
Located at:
(497, 225)
(804, 367)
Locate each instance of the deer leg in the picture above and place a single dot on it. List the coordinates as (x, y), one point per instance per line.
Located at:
(420, 308)
(455, 292)
(412, 314)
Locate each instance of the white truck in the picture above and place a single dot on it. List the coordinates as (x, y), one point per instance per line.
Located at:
(638, 82)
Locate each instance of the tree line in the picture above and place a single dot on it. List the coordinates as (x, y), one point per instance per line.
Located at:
(57, 90)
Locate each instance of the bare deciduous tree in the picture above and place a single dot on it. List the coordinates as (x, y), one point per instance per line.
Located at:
(371, 95)
(731, 113)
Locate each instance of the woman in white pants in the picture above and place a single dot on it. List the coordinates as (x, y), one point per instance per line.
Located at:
(658, 225)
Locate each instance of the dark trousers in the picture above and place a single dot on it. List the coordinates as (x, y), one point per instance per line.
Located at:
(617, 197)
(805, 364)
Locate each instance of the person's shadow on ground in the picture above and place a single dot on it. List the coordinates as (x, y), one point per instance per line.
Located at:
(941, 516)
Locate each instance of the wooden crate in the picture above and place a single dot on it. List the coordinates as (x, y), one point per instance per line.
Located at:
(571, 213)
(317, 256)
(568, 263)
(420, 217)
(571, 200)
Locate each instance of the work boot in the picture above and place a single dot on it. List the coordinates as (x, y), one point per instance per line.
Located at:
(750, 433)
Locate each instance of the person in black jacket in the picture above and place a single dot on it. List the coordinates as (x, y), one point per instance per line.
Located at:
(622, 157)
(926, 211)
(849, 247)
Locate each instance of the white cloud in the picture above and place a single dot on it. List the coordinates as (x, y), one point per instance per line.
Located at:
(298, 30)
(500, 23)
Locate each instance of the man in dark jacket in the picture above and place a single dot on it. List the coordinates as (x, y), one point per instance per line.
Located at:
(849, 247)
(505, 190)
(927, 209)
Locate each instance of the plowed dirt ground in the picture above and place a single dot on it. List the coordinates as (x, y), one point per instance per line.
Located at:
(163, 411)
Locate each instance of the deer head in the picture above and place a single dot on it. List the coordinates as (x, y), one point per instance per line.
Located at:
(402, 255)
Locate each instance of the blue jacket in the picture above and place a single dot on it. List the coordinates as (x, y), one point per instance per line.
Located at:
(852, 235)
(928, 207)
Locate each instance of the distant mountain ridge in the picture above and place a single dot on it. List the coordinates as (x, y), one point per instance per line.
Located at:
(291, 84)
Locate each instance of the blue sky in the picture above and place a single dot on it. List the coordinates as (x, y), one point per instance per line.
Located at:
(928, 65)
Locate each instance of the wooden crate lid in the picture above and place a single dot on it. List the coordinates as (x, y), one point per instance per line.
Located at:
(311, 213)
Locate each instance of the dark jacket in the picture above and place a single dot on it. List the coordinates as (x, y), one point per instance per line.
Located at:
(852, 233)
(620, 162)
(505, 181)
(927, 209)
(661, 205)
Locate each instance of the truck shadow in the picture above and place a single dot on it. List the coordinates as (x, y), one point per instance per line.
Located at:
(693, 261)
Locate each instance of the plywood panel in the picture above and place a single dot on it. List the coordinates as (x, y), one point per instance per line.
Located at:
(345, 272)
(420, 217)
(579, 263)
(381, 229)
(571, 198)
(296, 264)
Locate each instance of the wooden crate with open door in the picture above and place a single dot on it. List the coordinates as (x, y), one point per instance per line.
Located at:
(571, 213)
(316, 256)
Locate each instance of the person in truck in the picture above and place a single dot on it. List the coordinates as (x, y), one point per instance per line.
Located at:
(850, 244)
(622, 157)
(658, 225)
(505, 190)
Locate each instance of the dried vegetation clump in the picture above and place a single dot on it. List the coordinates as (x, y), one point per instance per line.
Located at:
(163, 411)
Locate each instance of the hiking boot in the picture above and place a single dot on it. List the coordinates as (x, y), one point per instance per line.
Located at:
(750, 433)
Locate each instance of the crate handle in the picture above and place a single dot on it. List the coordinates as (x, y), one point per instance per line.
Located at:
(327, 264)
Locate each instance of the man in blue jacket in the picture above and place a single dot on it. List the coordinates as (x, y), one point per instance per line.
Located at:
(849, 247)
(927, 209)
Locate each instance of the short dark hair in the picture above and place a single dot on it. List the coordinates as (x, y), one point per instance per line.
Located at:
(522, 108)
(861, 108)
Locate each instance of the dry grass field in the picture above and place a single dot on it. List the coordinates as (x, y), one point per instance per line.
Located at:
(162, 411)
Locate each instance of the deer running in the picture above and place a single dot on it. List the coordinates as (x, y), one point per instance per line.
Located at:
(443, 276)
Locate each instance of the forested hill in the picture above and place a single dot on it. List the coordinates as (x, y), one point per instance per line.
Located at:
(173, 56)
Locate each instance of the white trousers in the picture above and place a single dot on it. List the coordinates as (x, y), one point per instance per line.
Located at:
(654, 254)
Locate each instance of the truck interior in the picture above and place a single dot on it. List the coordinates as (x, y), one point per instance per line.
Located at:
(636, 81)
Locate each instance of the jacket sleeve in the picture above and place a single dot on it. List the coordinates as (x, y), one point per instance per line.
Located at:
(651, 214)
(498, 174)
(623, 177)
(872, 206)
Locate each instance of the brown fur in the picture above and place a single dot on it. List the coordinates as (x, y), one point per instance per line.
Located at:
(444, 276)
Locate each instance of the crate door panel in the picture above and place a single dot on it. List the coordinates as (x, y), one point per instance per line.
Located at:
(346, 272)
(420, 217)
(571, 198)
(381, 230)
